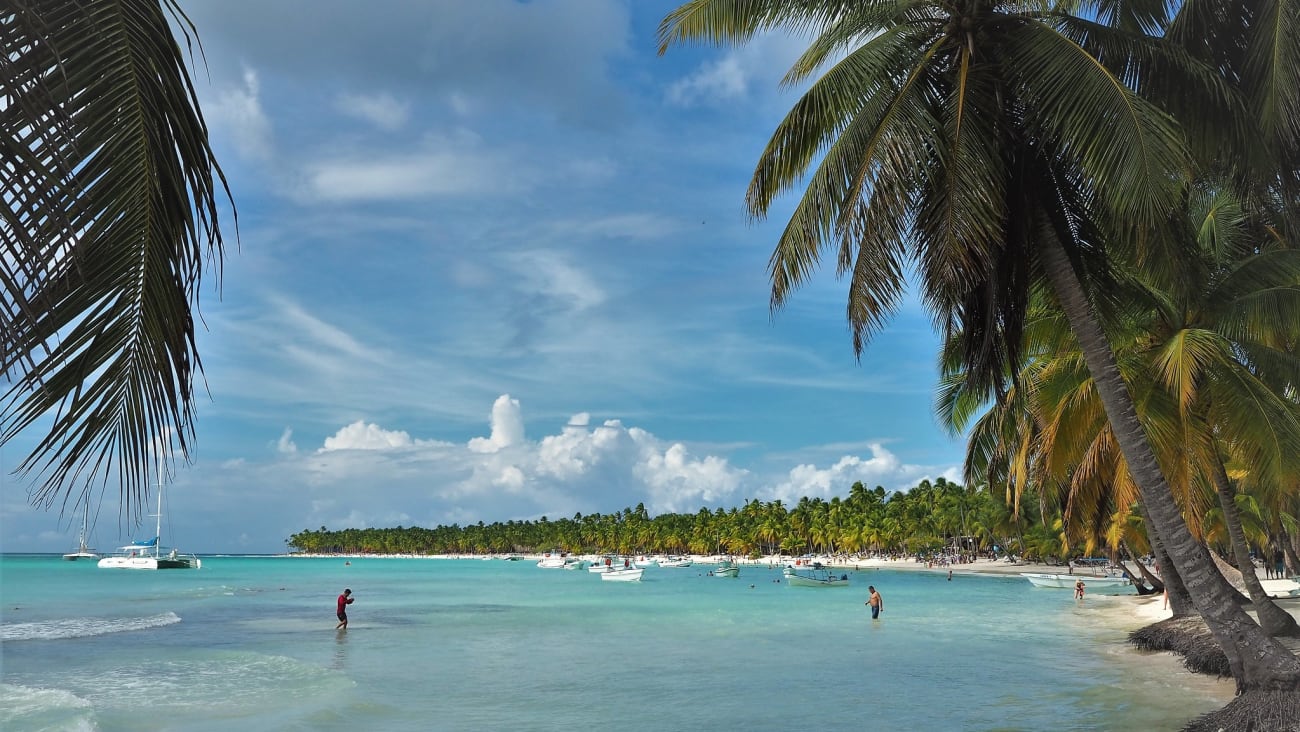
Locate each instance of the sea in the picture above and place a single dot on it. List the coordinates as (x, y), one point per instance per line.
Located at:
(249, 644)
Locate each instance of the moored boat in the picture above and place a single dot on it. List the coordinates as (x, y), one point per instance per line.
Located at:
(727, 568)
(549, 561)
(814, 576)
(626, 574)
(1067, 581)
(675, 562)
(83, 551)
(148, 553)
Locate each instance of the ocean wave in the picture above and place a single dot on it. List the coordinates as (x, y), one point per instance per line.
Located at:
(23, 707)
(82, 627)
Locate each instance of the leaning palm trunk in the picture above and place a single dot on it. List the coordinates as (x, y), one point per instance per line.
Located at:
(1180, 600)
(1147, 576)
(1272, 618)
(1258, 661)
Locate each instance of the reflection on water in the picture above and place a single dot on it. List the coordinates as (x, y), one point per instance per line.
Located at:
(340, 650)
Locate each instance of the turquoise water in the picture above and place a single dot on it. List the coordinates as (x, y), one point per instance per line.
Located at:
(249, 643)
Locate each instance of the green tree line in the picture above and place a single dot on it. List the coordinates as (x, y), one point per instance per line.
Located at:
(929, 518)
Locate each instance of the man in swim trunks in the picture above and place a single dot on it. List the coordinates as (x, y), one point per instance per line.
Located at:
(875, 602)
(344, 600)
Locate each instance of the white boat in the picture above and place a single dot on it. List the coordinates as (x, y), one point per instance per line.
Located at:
(83, 551)
(1281, 587)
(576, 564)
(645, 562)
(674, 562)
(553, 562)
(149, 554)
(1066, 581)
(598, 568)
(814, 576)
(727, 568)
(628, 574)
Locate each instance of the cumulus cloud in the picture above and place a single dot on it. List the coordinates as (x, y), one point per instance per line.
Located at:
(364, 436)
(507, 427)
(882, 468)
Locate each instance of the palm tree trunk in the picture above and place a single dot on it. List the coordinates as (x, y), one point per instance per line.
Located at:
(1273, 619)
(1258, 661)
(1288, 550)
(1147, 576)
(1180, 600)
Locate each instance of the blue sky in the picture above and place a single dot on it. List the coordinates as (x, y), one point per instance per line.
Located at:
(494, 263)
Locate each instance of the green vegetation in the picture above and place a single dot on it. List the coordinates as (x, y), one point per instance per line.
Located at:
(929, 518)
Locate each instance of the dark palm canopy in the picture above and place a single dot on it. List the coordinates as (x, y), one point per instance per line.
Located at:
(949, 136)
(111, 195)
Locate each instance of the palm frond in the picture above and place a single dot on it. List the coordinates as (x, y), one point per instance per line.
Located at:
(1128, 147)
(113, 212)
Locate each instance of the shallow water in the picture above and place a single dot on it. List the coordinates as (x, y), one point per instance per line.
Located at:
(249, 643)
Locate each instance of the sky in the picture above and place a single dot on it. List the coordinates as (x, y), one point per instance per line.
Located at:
(493, 262)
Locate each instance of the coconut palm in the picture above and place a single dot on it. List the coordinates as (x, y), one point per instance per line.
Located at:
(110, 218)
(983, 144)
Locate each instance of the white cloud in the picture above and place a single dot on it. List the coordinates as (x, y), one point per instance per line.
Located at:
(757, 65)
(678, 482)
(286, 444)
(507, 427)
(440, 168)
(381, 110)
(718, 81)
(238, 114)
(882, 468)
(364, 436)
(548, 273)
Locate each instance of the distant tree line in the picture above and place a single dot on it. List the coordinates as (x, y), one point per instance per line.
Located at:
(929, 518)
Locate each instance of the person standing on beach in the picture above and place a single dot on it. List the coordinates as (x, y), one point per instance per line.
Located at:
(876, 604)
(344, 600)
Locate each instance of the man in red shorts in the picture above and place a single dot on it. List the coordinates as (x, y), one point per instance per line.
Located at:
(344, 600)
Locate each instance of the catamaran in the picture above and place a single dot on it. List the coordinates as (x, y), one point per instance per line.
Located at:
(148, 554)
(83, 551)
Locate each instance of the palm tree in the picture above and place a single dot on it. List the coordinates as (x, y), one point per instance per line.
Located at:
(987, 145)
(110, 216)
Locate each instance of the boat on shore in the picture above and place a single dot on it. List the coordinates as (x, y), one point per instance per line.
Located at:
(1285, 587)
(814, 576)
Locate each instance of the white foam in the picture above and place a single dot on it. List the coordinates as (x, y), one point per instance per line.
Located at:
(82, 627)
(23, 707)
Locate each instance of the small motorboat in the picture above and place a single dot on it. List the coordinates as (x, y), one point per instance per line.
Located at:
(622, 574)
(814, 576)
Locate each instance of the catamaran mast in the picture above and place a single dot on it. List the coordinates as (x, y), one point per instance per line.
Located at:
(157, 532)
(85, 519)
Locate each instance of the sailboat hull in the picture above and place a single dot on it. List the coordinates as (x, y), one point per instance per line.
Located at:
(163, 562)
(74, 556)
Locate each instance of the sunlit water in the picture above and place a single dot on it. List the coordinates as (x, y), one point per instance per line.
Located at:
(249, 644)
